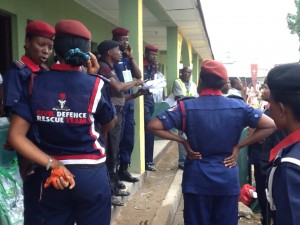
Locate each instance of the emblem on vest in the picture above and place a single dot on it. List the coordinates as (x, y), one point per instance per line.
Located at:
(61, 103)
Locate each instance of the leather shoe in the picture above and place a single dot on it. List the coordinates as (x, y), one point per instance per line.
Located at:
(126, 176)
(121, 185)
(181, 166)
(150, 166)
(118, 192)
(115, 201)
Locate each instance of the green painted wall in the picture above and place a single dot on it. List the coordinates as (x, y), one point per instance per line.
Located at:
(172, 56)
(51, 12)
(185, 53)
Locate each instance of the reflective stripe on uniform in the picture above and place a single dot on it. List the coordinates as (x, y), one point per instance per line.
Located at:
(269, 193)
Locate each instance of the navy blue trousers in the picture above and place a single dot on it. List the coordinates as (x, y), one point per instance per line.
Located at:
(149, 137)
(31, 190)
(127, 139)
(210, 210)
(89, 203)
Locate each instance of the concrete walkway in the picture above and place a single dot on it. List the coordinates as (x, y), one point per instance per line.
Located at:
(166, 212)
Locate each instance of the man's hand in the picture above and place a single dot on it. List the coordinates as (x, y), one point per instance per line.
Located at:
(139, 82)
(92, 64)
(140, 92)
(129, 51)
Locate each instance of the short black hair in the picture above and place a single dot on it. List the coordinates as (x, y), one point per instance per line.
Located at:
(209, 80)
(233, 80)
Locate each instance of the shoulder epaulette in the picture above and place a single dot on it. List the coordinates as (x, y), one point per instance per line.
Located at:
(19, 64)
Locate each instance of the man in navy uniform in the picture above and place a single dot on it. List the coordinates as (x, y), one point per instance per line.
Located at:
(150, 62)
(126, 69)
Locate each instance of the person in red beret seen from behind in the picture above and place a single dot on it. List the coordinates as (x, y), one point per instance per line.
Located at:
(150, 69)
(126, 69)
(38, 46)
(69, 115)
(213, 124)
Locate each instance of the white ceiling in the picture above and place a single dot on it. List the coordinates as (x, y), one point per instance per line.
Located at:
(157, 16)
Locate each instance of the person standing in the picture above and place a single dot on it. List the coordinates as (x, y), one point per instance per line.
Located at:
(259, 156)
(236, 88)
(284, 84)
(69, 115)
(150, 62)
(111, 54)
(183, 87)
(213, 124)
(38, 47)
(126, 69)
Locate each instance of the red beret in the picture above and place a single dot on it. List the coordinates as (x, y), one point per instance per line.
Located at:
(120, 31)
(72, 27)
(40, 28)
(214, 67)
(151, 48)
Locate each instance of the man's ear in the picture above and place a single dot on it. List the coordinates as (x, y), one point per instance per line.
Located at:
(283, 109)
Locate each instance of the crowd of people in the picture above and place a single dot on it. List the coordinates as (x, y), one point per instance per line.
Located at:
(67, 123)
(67, 126)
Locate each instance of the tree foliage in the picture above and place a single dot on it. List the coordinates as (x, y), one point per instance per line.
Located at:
(293, 21)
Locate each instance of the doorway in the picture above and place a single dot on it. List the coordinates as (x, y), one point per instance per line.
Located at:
(5, 42)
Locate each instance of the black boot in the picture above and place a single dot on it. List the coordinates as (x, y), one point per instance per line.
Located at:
(121, 185)
(125, 175)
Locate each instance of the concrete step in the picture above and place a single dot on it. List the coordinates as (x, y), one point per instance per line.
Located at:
(170, 202)
(166, 213)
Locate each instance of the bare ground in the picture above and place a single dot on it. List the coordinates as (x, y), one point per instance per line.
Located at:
(142, 207)
(253, 221)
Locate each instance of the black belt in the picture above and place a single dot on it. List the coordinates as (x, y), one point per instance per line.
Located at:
(83, 166)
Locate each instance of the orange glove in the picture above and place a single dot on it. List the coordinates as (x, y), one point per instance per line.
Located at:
(55, 175)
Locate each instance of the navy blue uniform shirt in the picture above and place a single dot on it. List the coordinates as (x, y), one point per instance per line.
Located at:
(213, 127)
(16, 78)
(121, 66)
(66, 118)
(286, 184)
